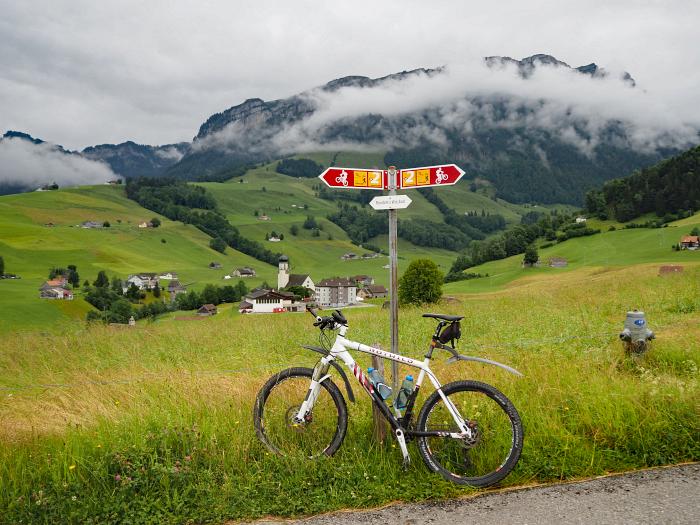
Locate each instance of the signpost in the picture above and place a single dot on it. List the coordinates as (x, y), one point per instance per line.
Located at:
(392, 179)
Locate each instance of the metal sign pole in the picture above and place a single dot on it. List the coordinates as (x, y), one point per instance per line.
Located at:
(394, 282)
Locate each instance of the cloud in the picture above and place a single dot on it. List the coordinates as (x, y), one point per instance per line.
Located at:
(26, 164)
(171, 153)
(81, 72)
(424, 108)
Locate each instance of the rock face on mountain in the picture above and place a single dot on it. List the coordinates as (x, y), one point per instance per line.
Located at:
(525, 163)
(137, 160)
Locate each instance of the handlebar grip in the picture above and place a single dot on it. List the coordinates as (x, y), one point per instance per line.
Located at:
(312, 311)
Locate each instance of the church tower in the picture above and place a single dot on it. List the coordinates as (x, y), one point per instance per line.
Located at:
(283, 273)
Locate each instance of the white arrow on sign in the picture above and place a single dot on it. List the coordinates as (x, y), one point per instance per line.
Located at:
(390, 202)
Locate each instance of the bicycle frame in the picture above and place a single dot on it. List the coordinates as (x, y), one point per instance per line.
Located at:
(400, 426)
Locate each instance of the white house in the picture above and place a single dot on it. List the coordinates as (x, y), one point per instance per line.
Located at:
(143, 281)
(270, 301)
(168, 276)
(580, 220)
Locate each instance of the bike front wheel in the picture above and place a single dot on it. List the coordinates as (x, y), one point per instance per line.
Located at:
(497, 434)
(279, 401)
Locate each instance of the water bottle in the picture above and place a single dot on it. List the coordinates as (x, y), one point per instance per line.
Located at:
(404, 393)
(377, 380)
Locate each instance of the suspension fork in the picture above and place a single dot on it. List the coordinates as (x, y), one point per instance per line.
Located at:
(319, 375)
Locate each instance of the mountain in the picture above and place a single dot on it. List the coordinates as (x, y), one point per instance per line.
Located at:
(136, 160)
(497, 141)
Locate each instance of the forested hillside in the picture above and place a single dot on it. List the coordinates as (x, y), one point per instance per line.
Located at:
(669, 187)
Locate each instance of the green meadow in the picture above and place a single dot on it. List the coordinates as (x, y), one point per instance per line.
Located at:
(153, 424)
(608, 249)
(30, 247)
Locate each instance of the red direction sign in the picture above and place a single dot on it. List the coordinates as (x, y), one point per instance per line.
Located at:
(444, 175)
(357, 178)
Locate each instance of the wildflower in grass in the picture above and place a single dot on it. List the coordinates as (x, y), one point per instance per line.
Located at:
(117, 477)
(72, 467)
(74, 498)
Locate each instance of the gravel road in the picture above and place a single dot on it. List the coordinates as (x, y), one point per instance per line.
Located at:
(666, 495)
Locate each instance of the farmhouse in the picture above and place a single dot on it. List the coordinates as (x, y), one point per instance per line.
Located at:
(363, 280)
(207, 309)
(580, 220)
(690, 242)
(167, 276)
(59, 282)
(263, 218)
(348, 256)
(243, 272)
(285, 279)
(175, 287)
(274, 239)
(214, 265)
(144, 224)
(373, 291)
(55, 293)
(336, 292)
(143, 281)
(91, 224)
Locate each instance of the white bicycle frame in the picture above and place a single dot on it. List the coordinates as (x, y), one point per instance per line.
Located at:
(340, 351)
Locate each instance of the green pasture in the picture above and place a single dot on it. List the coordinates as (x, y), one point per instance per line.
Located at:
(153, 424)
(30, 247)
(622, 247)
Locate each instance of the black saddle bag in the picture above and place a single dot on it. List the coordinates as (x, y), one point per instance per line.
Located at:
(449, 334)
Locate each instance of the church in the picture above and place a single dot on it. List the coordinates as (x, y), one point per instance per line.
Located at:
(285, 279)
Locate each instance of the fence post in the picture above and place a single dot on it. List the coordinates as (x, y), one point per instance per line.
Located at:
(378, 421)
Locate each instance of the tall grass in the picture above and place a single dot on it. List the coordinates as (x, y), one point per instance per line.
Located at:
(154, 424)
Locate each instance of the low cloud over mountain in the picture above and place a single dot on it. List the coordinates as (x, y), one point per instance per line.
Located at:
(30, 163)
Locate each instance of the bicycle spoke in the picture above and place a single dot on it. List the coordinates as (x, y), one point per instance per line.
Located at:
(288, 437)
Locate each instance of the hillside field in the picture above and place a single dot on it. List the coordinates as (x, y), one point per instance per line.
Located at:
(30, 248)
(153, 423)
(608, 249)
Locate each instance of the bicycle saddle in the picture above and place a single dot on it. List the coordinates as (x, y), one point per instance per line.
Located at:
(445, 317)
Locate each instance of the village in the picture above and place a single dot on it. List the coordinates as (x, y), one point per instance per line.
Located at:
(292, 294)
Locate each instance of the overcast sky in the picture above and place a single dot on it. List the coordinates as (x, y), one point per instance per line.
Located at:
(80, 73)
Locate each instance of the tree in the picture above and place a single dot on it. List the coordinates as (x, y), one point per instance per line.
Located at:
(210, 294)
(117, 286)
(73, 277)
(155, 222)
(156, 291)
(421, 283)
(310, 223)
(2, 266)
(102, 280)
(119, 312)
(106, 224)
(695, 231)
(133, 293)
(531, 256)
(218, 244)
(294, 230)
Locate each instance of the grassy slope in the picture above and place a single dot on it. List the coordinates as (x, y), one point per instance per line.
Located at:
(610, 248)
(30, 249)
(315, 255)
(179, 434)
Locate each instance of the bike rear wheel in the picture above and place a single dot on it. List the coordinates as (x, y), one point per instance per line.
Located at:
(278, 402)
(497, 440)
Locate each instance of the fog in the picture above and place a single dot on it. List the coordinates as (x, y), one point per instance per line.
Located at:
(32, 165)
(575, 107)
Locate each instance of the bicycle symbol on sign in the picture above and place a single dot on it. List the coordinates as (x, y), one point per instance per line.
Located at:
(440, 176)
(342, 178)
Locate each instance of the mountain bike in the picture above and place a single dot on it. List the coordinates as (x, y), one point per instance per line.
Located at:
(467, 431)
